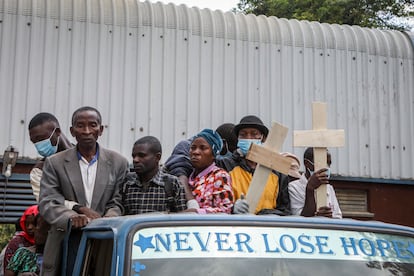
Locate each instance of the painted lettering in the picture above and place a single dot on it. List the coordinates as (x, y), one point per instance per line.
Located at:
(397, 247)
(321, 242)
(243, 239)
(203, 245)
(222, 240)
(166, 243)
(181, 241)
(287, 241)
(346, 245)
(304, 240)
(266, 243)
(367, 247)
(383, 245)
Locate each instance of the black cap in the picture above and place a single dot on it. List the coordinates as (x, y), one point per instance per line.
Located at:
(253, 122)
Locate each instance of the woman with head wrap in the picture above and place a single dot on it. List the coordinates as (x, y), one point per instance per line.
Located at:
(26, 237)
(210, 185)
(28, 260)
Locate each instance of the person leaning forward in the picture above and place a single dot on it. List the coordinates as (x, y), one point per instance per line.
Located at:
(88, 175)
(275, 197)
(48, 138)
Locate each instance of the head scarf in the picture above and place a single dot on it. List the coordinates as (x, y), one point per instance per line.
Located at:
(213, 139)
(31, 211)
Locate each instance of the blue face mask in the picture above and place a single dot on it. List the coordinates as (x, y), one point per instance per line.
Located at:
(244, 144)
(328, 171)
(45, 147)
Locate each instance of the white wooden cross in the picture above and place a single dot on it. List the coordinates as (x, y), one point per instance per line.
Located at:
(320, 138)
(267, 158)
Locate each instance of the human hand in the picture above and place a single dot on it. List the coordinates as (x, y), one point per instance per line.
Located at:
(324, 211)
(79, 220)
(241, 206)
(317, 179)
(193, 204)
(91, 214)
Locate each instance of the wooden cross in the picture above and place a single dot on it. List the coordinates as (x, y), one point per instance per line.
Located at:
(267, 158)
(320, 138)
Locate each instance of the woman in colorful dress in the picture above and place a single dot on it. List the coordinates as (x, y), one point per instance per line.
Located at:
(211, 186)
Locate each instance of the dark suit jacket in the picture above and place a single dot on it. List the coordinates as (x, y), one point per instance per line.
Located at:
(62, 180)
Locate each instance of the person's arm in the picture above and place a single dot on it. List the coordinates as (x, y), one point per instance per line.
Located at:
(35, 176)
(180, 196)
(336, 212)
(316, 180)
(283, 200)
(114, 206)
(297, 196)
(187, 191)
(9, 273)
(52, 202)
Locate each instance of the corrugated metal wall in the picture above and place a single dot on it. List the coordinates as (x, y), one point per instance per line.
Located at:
(169, 71)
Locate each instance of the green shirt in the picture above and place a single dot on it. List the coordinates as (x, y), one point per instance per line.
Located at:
(23, 260)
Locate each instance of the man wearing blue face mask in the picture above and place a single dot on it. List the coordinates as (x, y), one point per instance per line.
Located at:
(47, 137)
(302, 191)
(275, 197)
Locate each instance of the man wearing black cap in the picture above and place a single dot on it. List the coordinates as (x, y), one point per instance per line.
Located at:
(275, 198)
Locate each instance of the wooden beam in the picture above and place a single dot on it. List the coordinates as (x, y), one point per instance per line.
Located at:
(320, 138)
(274, 142)
(268, 158)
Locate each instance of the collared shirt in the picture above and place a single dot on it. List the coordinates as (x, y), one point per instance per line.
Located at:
(212, 188)
(88, 172)
(138, 199)
(297, 193)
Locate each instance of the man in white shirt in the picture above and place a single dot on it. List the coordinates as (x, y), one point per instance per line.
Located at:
(302, 191)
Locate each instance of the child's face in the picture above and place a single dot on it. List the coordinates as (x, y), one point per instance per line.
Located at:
(30, 224)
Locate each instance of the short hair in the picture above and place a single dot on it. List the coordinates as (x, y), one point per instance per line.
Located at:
(41, 118)
(153, 142)
(308, 154)
(86, 108)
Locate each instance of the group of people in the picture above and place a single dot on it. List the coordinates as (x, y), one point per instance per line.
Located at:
(207, 173)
